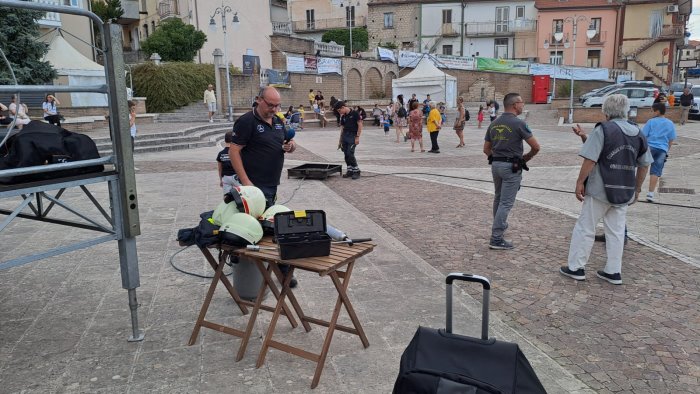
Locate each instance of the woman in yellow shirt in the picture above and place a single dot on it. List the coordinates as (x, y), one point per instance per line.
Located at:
(434, 126)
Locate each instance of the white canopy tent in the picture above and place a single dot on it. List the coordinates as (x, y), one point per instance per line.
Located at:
(427, 79)
(79, 71)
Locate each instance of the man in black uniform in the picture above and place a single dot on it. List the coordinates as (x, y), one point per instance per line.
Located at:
(257, 148)
(226, 172)
(351, 123)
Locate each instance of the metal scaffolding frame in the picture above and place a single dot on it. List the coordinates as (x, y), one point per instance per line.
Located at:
(123, 220)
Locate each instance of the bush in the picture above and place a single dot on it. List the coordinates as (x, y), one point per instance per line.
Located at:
(564, 89)
(342, 37)
(172, 85)
(174, 41)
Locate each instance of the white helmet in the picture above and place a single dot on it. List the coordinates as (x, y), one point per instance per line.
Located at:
(248, 199)
(223, 212)
(240, 230)
(267, 220)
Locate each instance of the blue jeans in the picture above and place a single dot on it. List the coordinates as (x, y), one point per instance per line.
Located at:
(506, 184)
(657, 167)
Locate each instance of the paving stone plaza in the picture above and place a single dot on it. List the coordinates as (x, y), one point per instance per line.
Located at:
(65, 320)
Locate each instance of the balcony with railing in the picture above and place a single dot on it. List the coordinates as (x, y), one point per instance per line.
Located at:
(131, 12)
(673, 31)
(50, 19)
(168, 9)
(329, 49)
(598, 39)
(281, 28)
(310, 26)
(450, 30)
(500, 28)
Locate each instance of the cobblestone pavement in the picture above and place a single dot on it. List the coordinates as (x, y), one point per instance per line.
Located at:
(64, 320)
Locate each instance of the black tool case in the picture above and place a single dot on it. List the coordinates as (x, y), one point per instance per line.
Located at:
(314, 171)
(302, 234)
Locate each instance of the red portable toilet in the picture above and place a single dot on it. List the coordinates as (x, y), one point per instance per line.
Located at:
(540, 89)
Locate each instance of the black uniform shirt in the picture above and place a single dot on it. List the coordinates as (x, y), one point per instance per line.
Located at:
(226, 166)
(262, 152)
(349, 123)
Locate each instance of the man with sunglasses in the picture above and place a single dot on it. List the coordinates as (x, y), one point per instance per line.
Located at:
(257, 148)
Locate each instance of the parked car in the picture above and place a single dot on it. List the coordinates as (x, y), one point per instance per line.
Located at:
(677, 89)
(638, 97)
(695, 107)
(609, 88)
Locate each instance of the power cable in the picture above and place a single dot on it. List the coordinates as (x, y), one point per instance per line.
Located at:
(172, 263)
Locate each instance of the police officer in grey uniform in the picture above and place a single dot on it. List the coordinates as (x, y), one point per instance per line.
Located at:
(503, 145)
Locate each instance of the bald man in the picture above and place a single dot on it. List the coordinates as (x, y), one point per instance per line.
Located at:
(258, 145)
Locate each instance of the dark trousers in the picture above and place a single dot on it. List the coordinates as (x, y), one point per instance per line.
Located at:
(348, 148)
(433, 140)
(54, 119)
(337, 117)
(376, 120)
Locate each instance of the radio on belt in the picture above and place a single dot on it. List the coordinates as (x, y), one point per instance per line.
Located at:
(302, 234)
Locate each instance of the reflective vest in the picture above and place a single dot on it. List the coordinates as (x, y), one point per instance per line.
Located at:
(618, 162)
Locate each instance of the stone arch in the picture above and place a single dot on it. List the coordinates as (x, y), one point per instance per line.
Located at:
(354, 81)
(481, 90)
(388, 78)
(373, 84)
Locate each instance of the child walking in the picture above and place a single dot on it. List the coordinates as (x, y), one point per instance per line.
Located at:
(301, 116)
(480, 115)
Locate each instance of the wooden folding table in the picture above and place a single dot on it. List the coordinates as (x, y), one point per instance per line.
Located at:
(342, 255)
(218, 267)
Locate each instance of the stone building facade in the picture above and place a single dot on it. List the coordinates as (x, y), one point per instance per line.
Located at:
(393, 22)
(368, 79)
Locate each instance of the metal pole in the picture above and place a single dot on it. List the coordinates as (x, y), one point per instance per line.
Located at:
(556, 59)
(351, 21)
(573, 64)
(228, 77)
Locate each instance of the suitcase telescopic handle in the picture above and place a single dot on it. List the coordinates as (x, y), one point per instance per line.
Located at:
(485, 300)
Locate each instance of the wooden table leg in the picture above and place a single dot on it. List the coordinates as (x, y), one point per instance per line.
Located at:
(207, 300)
(271, 329)
(329, 337)
(292, 299)
(231, 290)
(346, 301)
(268, 278)
(253, 316)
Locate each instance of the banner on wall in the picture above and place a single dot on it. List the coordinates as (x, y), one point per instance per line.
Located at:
(564, 72)
(329, 65)
(386, 54)
(310, 64)
(295, 64)
(278, 79)
(411, 59)
(502, 65)
(251, 64)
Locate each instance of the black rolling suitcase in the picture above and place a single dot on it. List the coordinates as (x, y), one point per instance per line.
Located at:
(438, 361)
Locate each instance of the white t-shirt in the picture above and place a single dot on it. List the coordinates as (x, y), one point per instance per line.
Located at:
(50, 108)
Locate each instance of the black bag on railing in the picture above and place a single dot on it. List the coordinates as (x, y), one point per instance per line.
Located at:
(39, 143)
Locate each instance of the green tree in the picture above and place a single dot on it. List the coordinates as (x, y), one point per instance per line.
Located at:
(174, 41)
(19, 40)
(107, 10)
(342, 37)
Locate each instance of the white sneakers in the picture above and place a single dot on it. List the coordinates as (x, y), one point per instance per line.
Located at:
(650, 197)
(211, 120)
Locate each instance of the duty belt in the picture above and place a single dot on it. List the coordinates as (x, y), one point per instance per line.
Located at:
(506, 159)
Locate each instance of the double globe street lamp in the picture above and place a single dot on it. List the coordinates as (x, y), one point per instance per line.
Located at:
(223, 10)
(590, 33)
(558, 36)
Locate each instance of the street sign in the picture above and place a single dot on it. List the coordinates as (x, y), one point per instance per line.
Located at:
(661, 64)
(691, 63)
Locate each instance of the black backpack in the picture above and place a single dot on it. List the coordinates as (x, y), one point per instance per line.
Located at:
(402, 112)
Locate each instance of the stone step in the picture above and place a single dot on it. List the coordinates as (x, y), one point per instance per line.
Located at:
(160, 148)
(193, 137)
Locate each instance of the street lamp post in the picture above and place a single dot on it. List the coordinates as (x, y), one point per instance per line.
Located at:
(557, 39)
(590, 33)
(350, 19)
(223, 10)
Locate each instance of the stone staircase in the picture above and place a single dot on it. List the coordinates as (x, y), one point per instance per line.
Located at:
(193, 137)
(195, 112)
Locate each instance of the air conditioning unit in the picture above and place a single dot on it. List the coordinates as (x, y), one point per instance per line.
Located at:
(671, 8)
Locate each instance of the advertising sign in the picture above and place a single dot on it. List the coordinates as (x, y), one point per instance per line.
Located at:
(295, 64)
(251, 64)
(386, 54)
(278, 79)
(502, 65)
(329, 65)
(310, 64)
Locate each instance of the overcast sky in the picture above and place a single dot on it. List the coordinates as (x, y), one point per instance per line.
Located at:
(694, 23)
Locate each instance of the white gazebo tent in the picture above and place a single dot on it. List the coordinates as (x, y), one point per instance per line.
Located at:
(74, 69)
(427, 79)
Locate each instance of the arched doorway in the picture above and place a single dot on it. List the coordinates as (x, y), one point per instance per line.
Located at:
(373, 84)
(354, 81)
